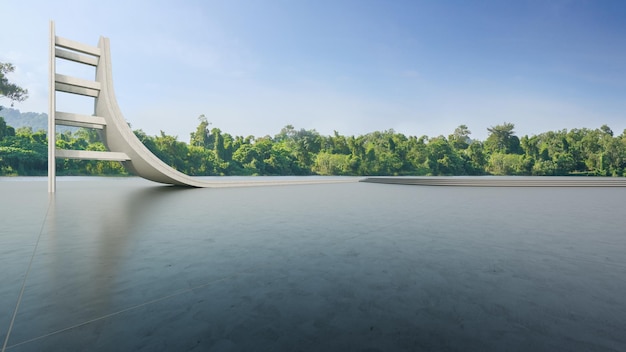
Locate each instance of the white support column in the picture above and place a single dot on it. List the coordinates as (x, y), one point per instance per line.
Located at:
(51, 114)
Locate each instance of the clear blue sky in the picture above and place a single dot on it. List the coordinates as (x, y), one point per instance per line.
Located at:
(419, 67)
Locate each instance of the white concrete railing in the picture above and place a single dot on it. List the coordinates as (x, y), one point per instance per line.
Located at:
(70, 50)
(119, 139)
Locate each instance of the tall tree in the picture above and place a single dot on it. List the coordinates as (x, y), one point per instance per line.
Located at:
(5, 130)
(200, 138)
(502, 139)
(8, 89)
(460, 138)
(442, 158)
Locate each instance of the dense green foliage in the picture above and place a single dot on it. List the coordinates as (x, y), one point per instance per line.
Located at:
(24, 152)
(306, 152)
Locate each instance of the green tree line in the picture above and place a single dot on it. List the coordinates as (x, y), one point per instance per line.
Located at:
(306, 152)
(210, 151)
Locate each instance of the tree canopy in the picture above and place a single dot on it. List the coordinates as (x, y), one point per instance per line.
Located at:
(10, 90)
(306, 152)
(295, 151)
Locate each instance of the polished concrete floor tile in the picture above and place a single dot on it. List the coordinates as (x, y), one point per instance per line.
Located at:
(387, 306)
(23, 216)
(126, 265)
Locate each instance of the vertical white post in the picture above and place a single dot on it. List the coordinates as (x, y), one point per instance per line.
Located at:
(51, 113)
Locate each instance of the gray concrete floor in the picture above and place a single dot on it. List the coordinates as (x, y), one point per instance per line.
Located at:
(110, 264)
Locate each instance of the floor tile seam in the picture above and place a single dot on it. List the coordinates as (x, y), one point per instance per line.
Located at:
(566, 257)
(470, 240)
(538, 252)
(141, 305)
(477, 245)
(30, 264)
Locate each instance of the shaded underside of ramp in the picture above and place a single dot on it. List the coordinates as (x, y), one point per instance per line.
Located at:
(503, 181)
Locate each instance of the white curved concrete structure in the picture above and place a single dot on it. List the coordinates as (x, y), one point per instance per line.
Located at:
(119, 136)
(119, 139)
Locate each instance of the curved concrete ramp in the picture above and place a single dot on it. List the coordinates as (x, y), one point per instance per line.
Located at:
(142, 162)
(119, 139)
(503, 181)
(117, 136)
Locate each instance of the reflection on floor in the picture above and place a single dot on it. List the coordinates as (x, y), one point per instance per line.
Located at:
(124, 264)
